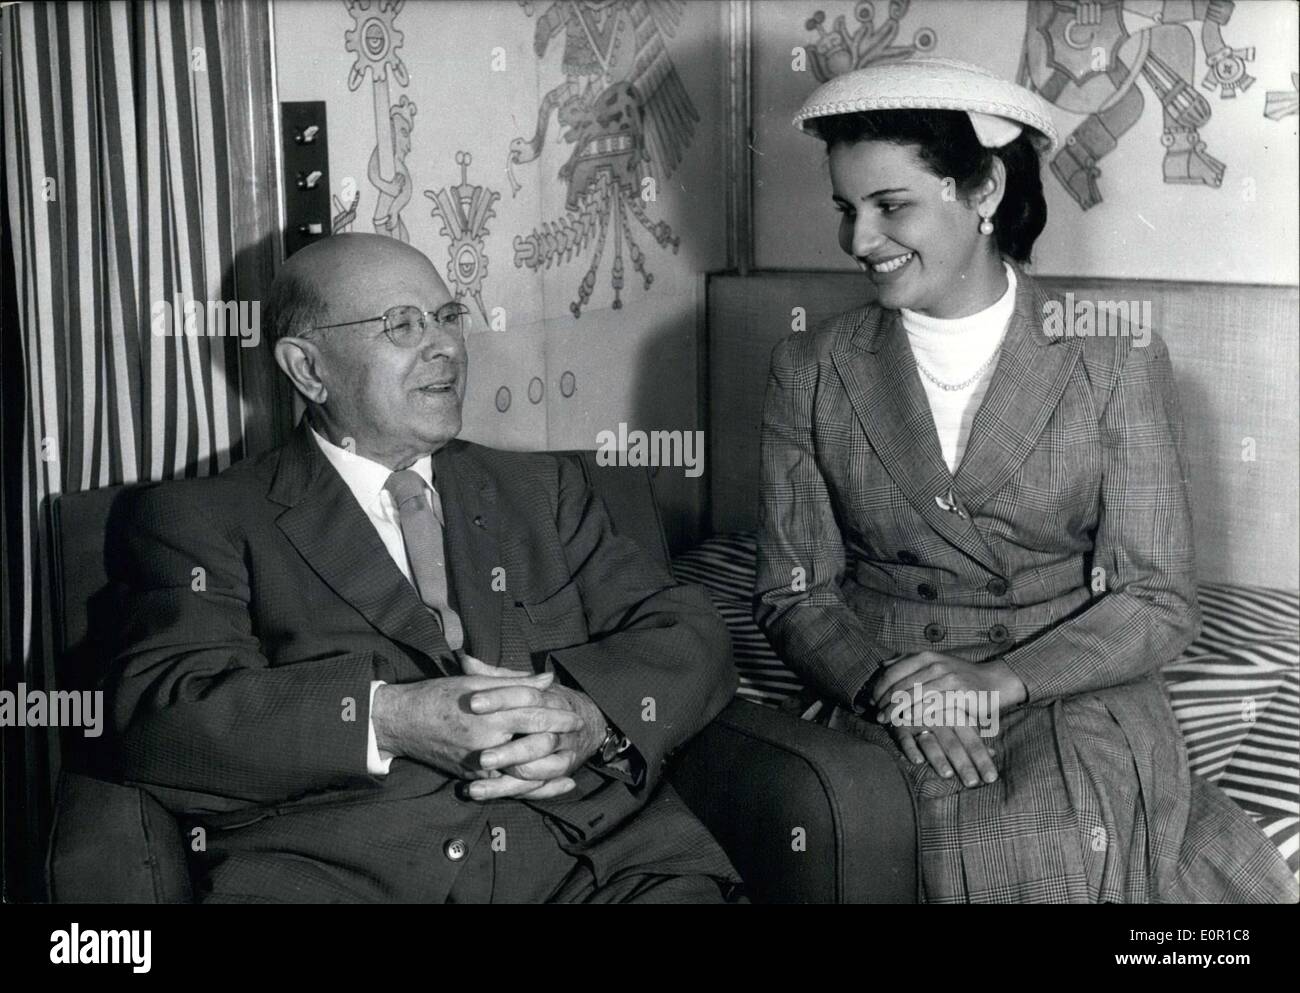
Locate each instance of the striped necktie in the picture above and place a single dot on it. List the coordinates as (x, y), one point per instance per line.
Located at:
(422, 533)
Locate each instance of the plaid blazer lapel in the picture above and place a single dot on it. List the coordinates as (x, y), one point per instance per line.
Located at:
(881, 382)
(331, 532)
(1028, 382)
(469, 506)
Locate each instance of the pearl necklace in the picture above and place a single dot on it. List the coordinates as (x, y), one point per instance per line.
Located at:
(955, 387)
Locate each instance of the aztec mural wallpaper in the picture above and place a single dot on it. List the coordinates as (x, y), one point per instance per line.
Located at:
(374, 40)
(838, 50)
(617, 102)
(1089, 59)
(564, 178)
(1149, 93)
(464, 209)
(557, 160)
(629, 119)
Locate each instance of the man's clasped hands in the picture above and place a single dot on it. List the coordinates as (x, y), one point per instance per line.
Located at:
(504, 732)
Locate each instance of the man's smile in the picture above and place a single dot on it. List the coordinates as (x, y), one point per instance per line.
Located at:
(446, 384)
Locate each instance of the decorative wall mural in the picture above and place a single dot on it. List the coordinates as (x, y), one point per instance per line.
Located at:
(838, 51)
(344, 213)
(1283, 103)
(627, 114)
(465, 210)
(1088, 58)
(374, 39)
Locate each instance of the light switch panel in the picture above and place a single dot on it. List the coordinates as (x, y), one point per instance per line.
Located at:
(306, 178)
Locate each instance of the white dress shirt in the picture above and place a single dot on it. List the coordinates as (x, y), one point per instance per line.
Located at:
(953, 349)
(367, 479)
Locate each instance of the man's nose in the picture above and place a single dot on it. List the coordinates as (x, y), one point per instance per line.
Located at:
(440, 342)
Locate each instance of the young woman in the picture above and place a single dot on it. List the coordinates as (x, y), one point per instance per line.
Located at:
(977, 546)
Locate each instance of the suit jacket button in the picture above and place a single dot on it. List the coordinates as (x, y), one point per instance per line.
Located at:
(935, 632)
(907, 558)
(998, 633)
(998, 587)
(927, 591)
(455, 849)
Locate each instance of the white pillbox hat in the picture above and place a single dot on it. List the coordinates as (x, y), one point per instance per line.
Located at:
(998, 109)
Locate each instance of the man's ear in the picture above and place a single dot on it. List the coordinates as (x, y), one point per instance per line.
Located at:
(301, 361)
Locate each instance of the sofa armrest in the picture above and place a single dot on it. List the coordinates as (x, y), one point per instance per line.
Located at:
(755, 775)
(114, 844)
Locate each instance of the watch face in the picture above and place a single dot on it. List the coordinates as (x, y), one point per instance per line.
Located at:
(611, 746)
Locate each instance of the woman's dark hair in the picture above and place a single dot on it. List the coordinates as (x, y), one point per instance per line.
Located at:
(948, 146)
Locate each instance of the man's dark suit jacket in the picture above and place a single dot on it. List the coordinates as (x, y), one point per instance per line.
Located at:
(261, 603)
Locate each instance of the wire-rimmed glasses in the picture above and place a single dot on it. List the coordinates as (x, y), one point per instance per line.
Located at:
(405, 324)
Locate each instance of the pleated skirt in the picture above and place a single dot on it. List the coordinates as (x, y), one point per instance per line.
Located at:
(1094, 803)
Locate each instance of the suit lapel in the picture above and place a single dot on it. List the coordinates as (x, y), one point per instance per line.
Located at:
(1027, 384)
(880, 378)
(329, 529)
(469, 504)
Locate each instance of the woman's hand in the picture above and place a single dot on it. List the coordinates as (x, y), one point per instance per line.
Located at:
(954, 746)
(950, 750)
(938, 672)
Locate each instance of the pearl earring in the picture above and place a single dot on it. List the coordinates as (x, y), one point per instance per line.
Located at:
(986, 226)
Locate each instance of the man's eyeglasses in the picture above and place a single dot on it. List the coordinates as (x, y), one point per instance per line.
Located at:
(405, 324)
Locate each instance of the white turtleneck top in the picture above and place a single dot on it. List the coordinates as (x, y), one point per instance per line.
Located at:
(953, 350)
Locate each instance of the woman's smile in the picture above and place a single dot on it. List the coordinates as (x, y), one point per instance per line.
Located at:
(891, 267)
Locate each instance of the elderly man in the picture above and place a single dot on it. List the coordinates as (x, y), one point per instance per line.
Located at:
(382, 664)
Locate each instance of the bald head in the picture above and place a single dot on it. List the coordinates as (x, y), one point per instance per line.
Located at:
(312, 285)
(393, 400)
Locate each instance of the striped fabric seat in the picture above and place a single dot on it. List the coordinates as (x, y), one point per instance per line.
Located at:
(1235, 691)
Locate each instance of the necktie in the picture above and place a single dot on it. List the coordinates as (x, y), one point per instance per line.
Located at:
(424, 550)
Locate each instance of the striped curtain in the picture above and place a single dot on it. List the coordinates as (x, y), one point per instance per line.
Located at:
(118, 195)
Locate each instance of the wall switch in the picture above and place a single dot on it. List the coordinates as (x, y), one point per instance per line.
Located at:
(305, 151)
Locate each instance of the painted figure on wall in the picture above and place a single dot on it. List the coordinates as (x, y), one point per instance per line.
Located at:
(464, 211)
(839, 50)
(629, 118)
(374, 39)
(345, 212)
(1088, 57)
(1283, 103)
(394, 192)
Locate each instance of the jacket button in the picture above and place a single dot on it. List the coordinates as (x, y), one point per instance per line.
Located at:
(935, 632)
(927, 591)
(455, 849)
(998, 633)
(907, 558)
(998, 587)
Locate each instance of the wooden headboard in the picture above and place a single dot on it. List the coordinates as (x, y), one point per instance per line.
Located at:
(1235, 352)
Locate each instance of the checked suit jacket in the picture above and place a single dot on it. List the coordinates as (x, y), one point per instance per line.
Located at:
(245, 696)
(1063, 543)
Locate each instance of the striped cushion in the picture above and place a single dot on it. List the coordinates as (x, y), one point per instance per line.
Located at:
(1235, 691)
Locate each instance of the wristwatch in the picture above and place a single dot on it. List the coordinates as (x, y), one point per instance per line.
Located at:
(614, 745)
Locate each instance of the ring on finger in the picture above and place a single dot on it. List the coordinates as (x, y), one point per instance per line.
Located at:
(923, 732)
